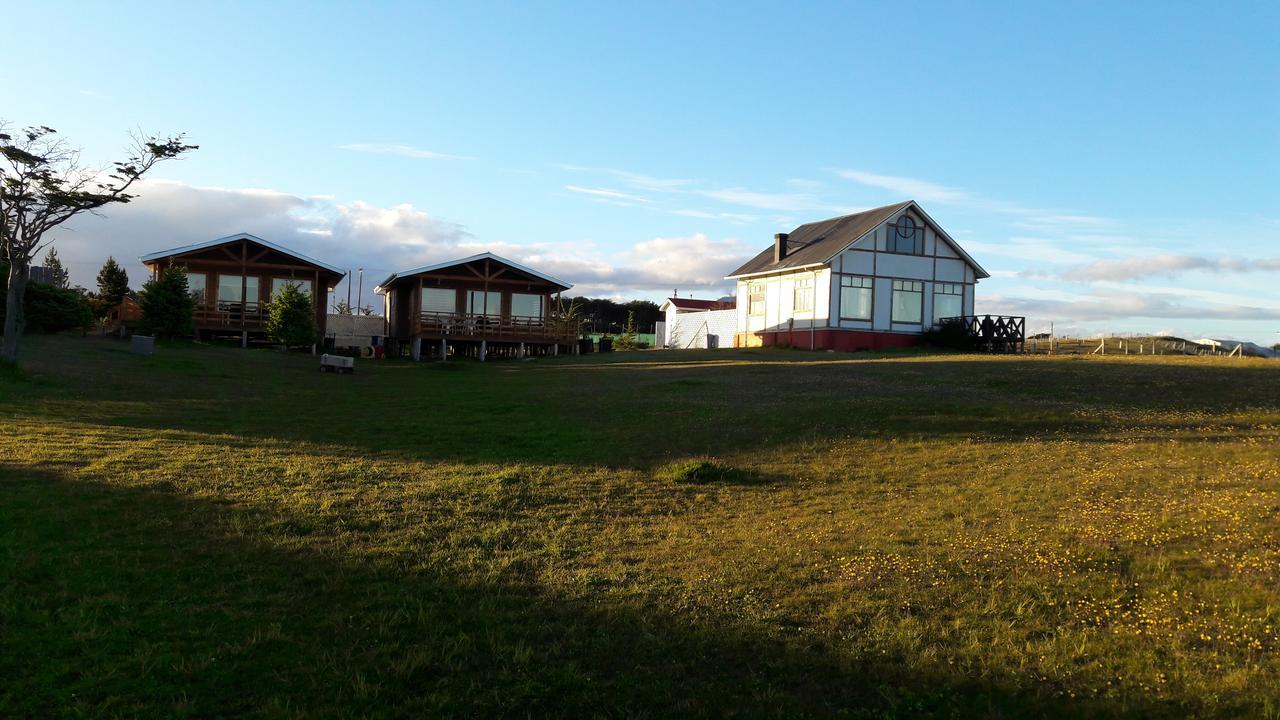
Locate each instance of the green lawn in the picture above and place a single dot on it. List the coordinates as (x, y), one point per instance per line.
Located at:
(214, 532)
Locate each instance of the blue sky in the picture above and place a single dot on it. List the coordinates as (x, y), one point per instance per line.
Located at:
(1116, 166)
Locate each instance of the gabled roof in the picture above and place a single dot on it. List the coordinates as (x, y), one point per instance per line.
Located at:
(150, 257)
(482, 256)
(691, 304)
(817, 243)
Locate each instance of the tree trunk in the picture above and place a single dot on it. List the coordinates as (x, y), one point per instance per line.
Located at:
(13, 317)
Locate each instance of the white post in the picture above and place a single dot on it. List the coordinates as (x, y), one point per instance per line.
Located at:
(555, 350)
(444, 349)
(484, 349)
(416, 352)
(244, 338)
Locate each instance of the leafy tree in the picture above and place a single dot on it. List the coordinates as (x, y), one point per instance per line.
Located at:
(57, 275)
(42, 185)
(293, 320)
(113, 283)
(167, 305)
(49, 309)
(628, 340)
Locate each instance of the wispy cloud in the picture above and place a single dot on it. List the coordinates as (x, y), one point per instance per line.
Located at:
(96, 95)
(787, 201)
(606, 193)
(1116, 306)
(909, 187)
(635, 179)
(401, 150)
(1132, 268)
(741, 218)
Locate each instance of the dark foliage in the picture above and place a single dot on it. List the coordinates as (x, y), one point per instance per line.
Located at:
(952, 334)
(167, 305)
(603, 315)
(113, 283)
(293, 320)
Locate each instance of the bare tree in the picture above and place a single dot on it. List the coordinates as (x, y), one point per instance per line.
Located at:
(42, 185)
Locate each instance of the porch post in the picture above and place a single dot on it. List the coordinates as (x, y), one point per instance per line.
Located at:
(416, 352)
(484, 349)
(521, 351)
(444, 349)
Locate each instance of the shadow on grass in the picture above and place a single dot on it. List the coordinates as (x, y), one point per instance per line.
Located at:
(143, 602)
(648, 409)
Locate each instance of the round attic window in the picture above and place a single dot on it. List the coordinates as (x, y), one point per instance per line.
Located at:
(906, 226)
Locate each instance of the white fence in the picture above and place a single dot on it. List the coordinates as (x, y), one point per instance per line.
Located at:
(706, 329)
(350, 331)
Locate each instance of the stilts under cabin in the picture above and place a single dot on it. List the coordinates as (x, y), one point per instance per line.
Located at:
(482, 306)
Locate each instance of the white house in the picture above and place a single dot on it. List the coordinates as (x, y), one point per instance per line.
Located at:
(691, 323)
(870, 280)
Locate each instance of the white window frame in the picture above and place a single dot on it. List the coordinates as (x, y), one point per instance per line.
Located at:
(862, 284)
(542, 302)
(490, 303)
(948, 290)
(907, 287)
(802, 295)
(754, 291)
(442, 294)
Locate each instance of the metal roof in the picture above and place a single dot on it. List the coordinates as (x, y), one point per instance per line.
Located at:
(232, 238)
(482, 256)
(817, 243)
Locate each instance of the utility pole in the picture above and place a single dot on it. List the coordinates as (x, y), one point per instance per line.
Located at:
(348, 290)
(360, 292)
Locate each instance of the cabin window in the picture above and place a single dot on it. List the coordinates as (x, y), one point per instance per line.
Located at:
(229, 288)
(906, 237)
(480, 302)
(439, 300)
(855, 297)
(278, 284)
(802, 295)
(196, 285)
(755, 298)
(948, 300)
(526, 306)
(908, 301)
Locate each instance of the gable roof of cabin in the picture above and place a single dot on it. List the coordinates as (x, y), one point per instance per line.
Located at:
(817, 243)
(185, 249)
(482, 256)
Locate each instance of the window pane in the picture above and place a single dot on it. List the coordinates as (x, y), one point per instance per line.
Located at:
(526, 306)
(855, 303)
(802, 295)
(251, 289)
(229, 288)
(439, 300)
(906, 303)
(278, 284)
(196, 284)
(477, 304)
(947, 306)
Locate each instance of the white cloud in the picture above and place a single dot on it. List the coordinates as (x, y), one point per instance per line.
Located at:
(740, 218)
(380, 239)
(790, 202)
(606, 193)
(402, 151)
(1121, 305)
(1167, 266)
(634, 179)
(908, 187)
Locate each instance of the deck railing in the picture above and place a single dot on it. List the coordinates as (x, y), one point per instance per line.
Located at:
(490, 327)
(1000, 333)
(232, 314)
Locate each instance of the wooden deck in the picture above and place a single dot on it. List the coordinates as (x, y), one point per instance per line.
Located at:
(461, 326)
(993, 333)
(232, 316)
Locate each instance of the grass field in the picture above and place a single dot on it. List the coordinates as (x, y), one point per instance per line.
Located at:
(213, 532)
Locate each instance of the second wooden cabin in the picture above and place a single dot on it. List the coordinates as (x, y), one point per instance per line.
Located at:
(476, 307)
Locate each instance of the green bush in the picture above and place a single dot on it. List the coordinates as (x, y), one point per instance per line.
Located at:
(953, 334)
(49, 309)
(293, 319)
(167, 305)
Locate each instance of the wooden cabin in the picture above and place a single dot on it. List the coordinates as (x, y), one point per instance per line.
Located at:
(234, 278)
(479, 306)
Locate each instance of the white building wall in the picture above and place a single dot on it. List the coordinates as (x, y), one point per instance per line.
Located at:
(706, 329)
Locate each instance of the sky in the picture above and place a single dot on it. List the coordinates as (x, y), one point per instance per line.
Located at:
(1114, 166)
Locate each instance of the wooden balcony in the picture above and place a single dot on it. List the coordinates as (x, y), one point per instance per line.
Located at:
(994, 333)
(462, 326)
(232, 315)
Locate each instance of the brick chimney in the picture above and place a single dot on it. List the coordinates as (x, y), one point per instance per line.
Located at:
(780, 247)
